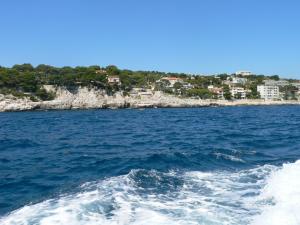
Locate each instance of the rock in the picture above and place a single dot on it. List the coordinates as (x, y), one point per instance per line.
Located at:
(88, 98)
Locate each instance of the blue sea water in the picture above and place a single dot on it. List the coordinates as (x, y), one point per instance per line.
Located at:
(226, 165)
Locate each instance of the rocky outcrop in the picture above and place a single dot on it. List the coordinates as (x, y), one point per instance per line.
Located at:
(11, 103)
(87, 98)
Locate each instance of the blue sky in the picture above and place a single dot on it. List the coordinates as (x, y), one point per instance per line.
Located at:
(193, 36)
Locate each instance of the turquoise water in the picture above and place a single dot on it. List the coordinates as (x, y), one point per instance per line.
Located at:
(231, 165)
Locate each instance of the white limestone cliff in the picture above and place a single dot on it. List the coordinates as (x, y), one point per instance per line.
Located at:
(87, 98)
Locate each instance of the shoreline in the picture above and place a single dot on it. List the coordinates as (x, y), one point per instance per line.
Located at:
(84, 98)
(43, 106)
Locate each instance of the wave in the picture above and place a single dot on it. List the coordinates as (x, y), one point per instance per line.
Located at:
(283, 193)
(263, 195)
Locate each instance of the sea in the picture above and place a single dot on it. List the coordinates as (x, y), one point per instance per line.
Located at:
(178, 166)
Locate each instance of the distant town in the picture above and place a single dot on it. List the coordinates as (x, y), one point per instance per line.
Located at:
(26, 80)
(240, 85)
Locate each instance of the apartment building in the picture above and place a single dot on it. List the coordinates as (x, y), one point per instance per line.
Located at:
(268, 92)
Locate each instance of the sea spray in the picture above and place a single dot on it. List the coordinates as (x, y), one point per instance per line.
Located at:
(193, 198)
(283, 192)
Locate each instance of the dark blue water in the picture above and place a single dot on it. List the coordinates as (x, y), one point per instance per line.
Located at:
(57, 155)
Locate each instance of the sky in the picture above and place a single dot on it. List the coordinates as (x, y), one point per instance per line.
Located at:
(191, 36)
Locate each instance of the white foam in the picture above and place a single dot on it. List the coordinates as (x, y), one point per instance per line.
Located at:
(283, 190)
(202, 198)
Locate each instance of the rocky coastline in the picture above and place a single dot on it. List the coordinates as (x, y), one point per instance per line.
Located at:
(91, 98)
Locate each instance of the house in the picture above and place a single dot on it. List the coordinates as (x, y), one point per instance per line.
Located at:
(146, 93)
(298, 95)
(239, 80)
(280, 83)
(140, 92)
(243, 73)
(234, 80)
(296, 84)
(187, 85)
(101, 71)
(238, 92)
(268, 92)
(217, 91)
(114, 80)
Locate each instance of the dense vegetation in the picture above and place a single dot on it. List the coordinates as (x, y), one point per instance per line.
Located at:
(26, 80)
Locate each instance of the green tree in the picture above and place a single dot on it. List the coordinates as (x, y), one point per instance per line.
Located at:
(26, 67)
(177, 85)
(27, 82)
(199, 92)
(227, 94)
(253, 94)
(112, 70)
(238, 96)
(44, 95)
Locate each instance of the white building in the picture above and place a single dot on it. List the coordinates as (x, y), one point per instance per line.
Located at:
(101, 71)
(239, 80)
(268, 92)
(217, 91)
(243, 73)
(141, 92)
(187, 85)
(114, 80)
(280, 83)
(238, 91)
(296, 84)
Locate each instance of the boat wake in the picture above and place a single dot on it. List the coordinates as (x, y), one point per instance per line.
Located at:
(263, 195)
